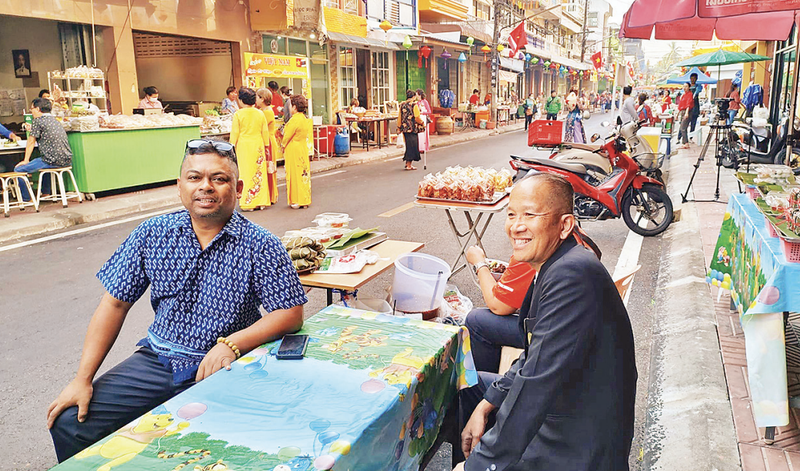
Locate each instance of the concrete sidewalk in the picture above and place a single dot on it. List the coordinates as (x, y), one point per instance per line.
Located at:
(53, 217)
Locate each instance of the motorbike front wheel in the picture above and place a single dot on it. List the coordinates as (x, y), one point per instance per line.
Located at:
(648, 211)
(794, 163)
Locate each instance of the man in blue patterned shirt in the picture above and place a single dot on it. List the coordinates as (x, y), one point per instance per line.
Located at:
(209, 269)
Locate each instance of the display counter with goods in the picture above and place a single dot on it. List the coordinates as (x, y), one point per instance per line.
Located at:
(84, 86)
(112, 158)
(756, 258)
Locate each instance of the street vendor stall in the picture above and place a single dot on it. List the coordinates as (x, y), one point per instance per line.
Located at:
(756, 258)
(466, 191)
(370, 393)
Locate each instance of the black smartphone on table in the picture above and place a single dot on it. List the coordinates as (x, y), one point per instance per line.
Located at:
(293, 347)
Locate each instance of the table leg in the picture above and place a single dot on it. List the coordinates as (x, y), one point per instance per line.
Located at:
(463, 239)
(765, 348)
(378, 134)
(329, 296)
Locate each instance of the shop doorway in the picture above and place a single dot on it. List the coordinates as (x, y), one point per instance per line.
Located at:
(362, 73)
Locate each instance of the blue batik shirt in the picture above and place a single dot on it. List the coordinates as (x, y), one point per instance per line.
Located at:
(200, 295)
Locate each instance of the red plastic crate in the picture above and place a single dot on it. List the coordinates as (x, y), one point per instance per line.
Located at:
(791, 250)
(770, 227)
(545, 133)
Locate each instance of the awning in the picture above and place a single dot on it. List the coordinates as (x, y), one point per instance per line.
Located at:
(464, 28)
(515, 65)
(443, 40)
(359, 41)
(506, 76)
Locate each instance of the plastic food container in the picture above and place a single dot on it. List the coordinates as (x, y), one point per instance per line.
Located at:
(419, 282)
(337, 220)
(497, 267)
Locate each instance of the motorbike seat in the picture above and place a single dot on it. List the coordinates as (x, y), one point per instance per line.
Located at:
(590, 146)
(575, 168)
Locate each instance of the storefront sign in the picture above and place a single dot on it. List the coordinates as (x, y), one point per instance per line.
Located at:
(276, 66)
(307, 15)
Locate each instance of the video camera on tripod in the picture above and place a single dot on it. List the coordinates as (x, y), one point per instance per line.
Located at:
(723, 104)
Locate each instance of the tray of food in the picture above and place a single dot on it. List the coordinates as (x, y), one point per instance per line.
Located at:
(497, 267)
(465, 185)
(306, 253)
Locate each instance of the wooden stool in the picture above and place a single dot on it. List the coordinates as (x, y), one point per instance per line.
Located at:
(10, 184)
(60, 192)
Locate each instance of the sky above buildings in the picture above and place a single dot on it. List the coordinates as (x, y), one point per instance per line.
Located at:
(653, 50)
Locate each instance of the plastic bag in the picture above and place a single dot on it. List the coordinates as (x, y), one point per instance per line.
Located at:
(401, 141)
(455, 307)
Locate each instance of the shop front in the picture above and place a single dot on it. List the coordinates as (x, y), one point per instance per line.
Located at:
(365, 68)
(780, 90)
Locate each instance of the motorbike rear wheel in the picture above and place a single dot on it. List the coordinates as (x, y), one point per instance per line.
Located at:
(648, 211)
(780, 159)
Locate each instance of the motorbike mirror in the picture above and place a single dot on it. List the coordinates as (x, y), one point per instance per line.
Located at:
(595, 137)
(605, 124)
(619, 120)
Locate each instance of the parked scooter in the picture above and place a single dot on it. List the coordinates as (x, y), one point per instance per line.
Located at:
(625, 191)
(598, 166)
(762, 144)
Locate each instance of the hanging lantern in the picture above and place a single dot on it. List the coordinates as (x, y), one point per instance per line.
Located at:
(486, 50)
(385, 26)
(424, 53)
(462, 58)
(528, 57)
(546, 63)
(407, 42)
(535, 60)
(445, 55)
(521, 56)
(470, 42)
(500, 48)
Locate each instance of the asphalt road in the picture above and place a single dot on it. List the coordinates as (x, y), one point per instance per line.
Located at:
(50, 291)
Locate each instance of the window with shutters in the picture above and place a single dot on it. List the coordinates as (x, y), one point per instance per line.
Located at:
(380, 78)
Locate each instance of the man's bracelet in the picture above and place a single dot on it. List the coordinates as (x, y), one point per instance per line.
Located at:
(230, 345)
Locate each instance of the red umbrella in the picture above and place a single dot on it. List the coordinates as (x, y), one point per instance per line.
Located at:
(694, 20)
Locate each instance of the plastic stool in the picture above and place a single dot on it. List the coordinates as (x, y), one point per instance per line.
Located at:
(10, 184)
(60, 192)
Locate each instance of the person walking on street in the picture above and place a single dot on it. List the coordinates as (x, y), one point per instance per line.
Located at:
(568, 402)
(573, 131)
(530, 110)
(295, 155)
(695, 88)
(410, 123)
(628, 112)
(425, 112)
(250, 135)
(685, 106)
(553, 106)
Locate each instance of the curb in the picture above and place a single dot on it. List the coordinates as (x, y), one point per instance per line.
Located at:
(165, 197)
(689, 424)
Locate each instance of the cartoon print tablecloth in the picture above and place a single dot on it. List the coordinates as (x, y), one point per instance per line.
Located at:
(750, 263)
(370, 394)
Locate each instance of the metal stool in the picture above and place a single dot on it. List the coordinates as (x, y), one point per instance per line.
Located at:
(60, 192)
(10, 184)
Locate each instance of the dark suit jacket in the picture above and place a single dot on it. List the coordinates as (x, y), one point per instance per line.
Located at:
(567, 404)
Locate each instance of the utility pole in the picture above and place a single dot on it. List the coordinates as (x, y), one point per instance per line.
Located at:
(495, 83)
(584, 32)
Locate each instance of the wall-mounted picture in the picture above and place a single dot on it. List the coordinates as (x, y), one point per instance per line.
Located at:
(22, 63)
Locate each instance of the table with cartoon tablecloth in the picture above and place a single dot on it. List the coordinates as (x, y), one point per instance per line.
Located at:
(370, 394)
(749, 262)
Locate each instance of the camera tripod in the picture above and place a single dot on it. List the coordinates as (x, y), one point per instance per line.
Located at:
(720, 134)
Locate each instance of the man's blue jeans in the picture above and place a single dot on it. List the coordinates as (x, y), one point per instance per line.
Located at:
(33, 166)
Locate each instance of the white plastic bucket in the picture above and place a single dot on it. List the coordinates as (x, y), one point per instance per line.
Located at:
(373, 305)
(419, 281)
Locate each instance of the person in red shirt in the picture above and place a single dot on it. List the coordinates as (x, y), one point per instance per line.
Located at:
(684, 108)
(667, 101)
(277, 99)
(495, 326)
(476, 97)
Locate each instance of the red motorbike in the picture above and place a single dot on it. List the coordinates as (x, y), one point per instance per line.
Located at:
(626, 191)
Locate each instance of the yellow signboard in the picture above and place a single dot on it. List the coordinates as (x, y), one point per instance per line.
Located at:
(260, 66)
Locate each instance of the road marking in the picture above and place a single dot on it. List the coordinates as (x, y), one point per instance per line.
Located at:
(628, 259)
(85, 229)
(397, 210)
(396, 158)
(318, 176)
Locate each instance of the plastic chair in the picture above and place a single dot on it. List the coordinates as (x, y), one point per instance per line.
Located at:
(9, 183)
(58, 192)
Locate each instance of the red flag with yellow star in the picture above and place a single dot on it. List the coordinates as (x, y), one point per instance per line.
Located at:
(597, 60)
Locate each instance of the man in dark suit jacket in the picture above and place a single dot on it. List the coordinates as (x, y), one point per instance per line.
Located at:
(567, 403)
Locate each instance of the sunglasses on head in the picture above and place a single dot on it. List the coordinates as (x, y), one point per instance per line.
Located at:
(198, 144)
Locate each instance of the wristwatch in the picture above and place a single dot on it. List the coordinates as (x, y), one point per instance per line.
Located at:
(480, 265)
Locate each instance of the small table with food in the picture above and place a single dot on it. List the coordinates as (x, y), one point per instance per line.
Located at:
(757, 258)
(466, 190)
(378, 122)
